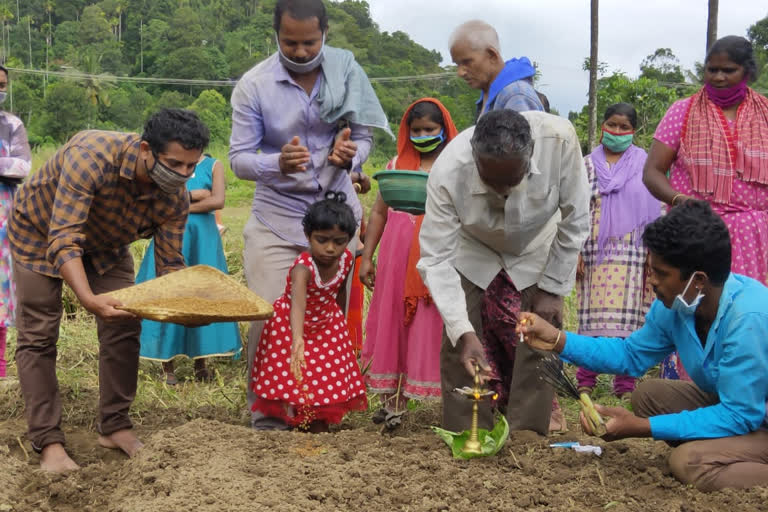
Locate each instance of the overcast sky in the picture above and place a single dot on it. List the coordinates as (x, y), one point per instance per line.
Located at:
(555, 33)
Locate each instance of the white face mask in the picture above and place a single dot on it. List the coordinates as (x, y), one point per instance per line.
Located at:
(300, 67)
(684, 308)
(3, 95)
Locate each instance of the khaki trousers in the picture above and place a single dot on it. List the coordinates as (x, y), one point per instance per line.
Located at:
(266, 260)
(708, 464)
(530, 399)
(37, 321)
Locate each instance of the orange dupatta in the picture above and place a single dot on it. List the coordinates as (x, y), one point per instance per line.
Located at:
(408, 159)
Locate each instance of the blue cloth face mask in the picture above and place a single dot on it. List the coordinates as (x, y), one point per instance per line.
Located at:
(684, 308)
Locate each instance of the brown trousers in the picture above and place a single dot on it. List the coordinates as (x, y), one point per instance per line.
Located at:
(37, 321)
(530, 399)
(708, 464)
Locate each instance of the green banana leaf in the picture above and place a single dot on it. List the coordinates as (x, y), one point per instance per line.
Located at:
(490, 442)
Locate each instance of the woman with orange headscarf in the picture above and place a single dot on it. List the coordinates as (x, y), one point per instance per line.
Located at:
(404, 328)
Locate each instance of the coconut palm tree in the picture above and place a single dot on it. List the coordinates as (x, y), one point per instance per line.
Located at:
(593, 65)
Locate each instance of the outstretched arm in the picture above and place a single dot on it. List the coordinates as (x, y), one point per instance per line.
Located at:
(300, 276)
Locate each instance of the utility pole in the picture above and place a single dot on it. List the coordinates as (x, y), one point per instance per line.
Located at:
(593, 56)
(712, 11)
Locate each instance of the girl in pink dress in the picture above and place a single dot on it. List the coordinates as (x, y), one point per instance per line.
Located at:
(305, 372)
(404, 328)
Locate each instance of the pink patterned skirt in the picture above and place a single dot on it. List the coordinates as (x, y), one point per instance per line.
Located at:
(404, 356)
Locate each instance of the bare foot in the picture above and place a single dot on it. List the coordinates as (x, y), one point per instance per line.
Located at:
(557, 421)
(124, 440)
(55, 459)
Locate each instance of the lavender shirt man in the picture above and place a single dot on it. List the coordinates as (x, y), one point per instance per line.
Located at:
(301, 126)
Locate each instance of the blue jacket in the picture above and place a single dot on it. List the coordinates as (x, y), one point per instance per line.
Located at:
(733, 363)
(511, 89)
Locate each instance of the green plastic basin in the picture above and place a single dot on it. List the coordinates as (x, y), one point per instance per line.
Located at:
(404, 191)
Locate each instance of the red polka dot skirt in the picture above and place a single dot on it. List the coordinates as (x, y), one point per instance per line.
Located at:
(331, 383)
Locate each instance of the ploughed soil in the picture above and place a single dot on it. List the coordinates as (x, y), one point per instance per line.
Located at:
(210, 465)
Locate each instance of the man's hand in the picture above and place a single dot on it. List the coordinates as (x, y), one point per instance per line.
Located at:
(540, 334)
(620, 423)
(297, 357)
(473, 354)
(361, 182)
(580, 268)
(103, 306)
(547, 305)
(344, 150)
(367, 273)
(293, 157)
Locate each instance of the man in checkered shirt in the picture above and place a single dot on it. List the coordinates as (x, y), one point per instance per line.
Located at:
(73, 222)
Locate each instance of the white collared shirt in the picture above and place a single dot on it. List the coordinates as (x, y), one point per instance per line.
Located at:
(535, 234)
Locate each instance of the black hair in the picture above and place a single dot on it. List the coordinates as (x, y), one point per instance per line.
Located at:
(175, 125)
(502, 133)
(739, 50)
(301, 10)
(692, 238)
(622, 109)
(331, 211)
(426, 109)
(3, 68)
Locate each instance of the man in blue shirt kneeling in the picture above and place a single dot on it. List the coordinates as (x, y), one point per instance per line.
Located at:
(718, 322)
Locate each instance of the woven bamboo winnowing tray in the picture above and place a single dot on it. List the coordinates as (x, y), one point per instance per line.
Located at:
(193, 296)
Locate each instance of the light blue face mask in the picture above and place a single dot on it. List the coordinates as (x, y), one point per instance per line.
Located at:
(684, 308)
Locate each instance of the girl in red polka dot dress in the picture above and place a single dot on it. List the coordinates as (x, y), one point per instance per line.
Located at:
(305, 371)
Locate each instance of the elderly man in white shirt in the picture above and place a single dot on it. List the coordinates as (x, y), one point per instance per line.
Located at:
(507, 213)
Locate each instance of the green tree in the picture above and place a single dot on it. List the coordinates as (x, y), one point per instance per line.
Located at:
(194, 63)
(758, 34)
(67, 110)
(127, 107)
(156, 44)
(663, 66)
(171, 99)
(27, 102)
(66, 40)
(94, 27)
(215, 112)
(186, 30)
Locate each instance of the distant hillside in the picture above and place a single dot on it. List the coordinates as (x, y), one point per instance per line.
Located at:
(185, 39)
